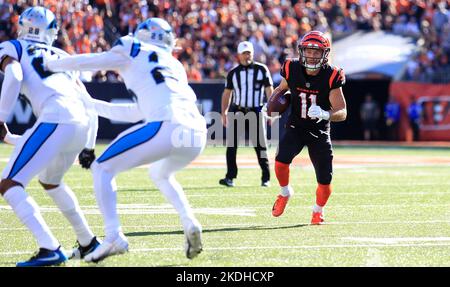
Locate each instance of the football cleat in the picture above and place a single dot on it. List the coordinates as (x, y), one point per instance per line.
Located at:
(45, 257)
(279, 205)
(265, 183)
(193, 245)
(227, 182)
(105, 249)
(81, 251)
(317, 218)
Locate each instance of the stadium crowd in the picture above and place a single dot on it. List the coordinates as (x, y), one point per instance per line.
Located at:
(209, 31)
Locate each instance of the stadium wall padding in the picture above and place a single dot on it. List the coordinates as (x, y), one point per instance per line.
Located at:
(209, 98)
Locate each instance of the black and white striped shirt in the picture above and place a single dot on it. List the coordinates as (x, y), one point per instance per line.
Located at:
(248, 83)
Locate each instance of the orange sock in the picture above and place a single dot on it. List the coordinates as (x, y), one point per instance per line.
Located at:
(282, 173)
(322, 194)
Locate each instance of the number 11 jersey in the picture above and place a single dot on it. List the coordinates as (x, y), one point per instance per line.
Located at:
(310, 90)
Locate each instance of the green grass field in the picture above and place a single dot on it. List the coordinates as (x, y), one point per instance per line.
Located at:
(381, 213)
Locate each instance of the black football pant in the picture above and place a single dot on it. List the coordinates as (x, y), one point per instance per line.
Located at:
(319, 148)
(260, 146)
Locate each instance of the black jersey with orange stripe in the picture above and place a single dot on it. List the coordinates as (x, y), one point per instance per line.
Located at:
(307, 90)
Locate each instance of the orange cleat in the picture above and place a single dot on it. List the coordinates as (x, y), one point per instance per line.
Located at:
(317, 218)
(279, 205)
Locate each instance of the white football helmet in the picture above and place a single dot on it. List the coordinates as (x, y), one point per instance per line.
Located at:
(156, 31)
(38, 24)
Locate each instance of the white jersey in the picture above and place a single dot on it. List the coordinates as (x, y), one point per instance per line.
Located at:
(54, 97)
(158, 80)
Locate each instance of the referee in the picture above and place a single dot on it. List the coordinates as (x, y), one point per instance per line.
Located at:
(248, 82)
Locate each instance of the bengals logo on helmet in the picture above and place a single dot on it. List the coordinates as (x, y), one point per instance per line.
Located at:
(314, 40)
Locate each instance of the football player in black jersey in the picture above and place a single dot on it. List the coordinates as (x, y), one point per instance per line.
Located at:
(316, 100)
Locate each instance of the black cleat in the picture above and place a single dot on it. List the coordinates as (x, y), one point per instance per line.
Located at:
(265, 183)
(227, 182)
(81, 251)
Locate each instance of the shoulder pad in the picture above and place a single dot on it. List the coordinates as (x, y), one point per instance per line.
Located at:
(11, 48)
(127, 45)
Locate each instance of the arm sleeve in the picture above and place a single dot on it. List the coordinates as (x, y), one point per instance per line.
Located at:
(284, 72)
(229, 82)
(93, 129)
(339, 80)
(110, 60)
(118, 112)
(12, 49)
(10, 89)
(92, 113)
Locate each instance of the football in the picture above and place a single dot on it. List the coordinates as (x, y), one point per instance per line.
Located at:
(278, 102)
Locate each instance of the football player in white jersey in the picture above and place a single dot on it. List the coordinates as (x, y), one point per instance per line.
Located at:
(173, 132)
(48, 149)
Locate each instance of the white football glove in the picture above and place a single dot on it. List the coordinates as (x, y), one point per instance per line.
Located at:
(316, 112)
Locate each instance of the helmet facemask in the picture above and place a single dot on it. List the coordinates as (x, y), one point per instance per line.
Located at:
(319, 62)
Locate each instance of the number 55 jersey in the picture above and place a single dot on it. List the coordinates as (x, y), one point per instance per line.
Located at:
(54, 97)
(310, 90)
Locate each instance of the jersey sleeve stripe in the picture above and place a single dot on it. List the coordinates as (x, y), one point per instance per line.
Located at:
(333, 75)
(135, 48)
(18, 48)
(288, 62)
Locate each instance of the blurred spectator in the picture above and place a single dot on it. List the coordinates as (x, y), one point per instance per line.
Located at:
(370, 114)
(209, 30)
(415, 115)
(392, 116)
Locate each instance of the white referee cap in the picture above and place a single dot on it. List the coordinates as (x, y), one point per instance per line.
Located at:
(245, 46)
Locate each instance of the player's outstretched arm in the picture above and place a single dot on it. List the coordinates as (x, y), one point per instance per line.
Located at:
(118, 112)
(88, 62)
(338, 112)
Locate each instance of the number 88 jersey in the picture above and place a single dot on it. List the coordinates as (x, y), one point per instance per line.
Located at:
(308, 90)
(39, 85)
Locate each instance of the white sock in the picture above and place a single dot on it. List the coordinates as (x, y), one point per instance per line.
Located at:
(105, 192)
(174, 193)
(67, 203)
(317, 208)
(27, 211)
(287, 190)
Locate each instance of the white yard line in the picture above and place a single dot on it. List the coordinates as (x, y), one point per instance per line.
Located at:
(150, 227)
(244, 248)
(396, 240)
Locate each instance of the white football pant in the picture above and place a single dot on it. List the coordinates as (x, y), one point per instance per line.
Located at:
(47, 149)
(169, 147)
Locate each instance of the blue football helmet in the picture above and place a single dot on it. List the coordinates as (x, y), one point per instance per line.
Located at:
(38, 24)
(156, 31)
